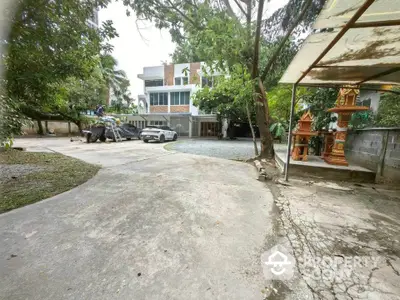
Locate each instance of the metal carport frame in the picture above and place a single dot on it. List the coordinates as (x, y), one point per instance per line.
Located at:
(353, 61)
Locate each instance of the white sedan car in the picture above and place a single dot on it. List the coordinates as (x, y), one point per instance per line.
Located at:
(158, 133)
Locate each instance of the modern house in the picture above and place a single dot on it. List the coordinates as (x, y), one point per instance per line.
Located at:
(167, 100)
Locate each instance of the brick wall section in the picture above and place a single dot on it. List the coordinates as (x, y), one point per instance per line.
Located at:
(366, 148)
(169, 74)
(194, 77)
(159, 108)
(179, 108)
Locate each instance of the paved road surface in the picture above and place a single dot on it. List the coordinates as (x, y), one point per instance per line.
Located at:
(240, 149)
(152, 224)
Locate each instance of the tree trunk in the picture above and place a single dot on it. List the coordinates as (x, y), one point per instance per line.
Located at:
(252, 129)
(262, 117)
(262, 113)
(108, 100)
(40, 127)
(79, 124)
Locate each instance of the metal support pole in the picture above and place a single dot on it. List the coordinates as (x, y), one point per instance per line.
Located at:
(290, 132)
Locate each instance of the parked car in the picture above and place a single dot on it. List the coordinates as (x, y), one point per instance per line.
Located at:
(160, 133)
(126, 130)
(102, 131)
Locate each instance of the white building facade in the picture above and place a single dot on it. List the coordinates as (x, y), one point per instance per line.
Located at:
(167, 100)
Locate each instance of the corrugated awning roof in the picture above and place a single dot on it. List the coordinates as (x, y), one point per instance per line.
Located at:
(355, 42)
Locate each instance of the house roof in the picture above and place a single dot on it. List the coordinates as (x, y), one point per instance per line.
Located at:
(354, 42)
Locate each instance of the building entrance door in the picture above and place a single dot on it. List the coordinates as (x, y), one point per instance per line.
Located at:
(209, 129)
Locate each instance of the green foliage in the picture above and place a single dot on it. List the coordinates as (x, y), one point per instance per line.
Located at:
(11, 121)
(389, 110)
(278, 129)
(318, 100)
(279, 101)
(115, 79)
(51, 47)
(362, 119)
(279, 66)
(228, 99)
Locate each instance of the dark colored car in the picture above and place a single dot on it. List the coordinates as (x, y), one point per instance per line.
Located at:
(102, 132)
(126, 130)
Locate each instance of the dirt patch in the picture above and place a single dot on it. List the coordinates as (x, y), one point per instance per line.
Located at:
(28, 177)
(10, 172)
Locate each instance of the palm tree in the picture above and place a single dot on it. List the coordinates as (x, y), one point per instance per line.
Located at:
(114, 79)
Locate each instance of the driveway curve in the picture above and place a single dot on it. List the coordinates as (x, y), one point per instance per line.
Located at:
(240, 149)
(151, 224)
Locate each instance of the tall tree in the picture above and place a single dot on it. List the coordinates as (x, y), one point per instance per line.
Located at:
(230, 98)
(115, 79)
(49, 42)
(225, 38)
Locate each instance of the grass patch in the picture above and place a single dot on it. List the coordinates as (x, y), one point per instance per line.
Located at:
(56, 174)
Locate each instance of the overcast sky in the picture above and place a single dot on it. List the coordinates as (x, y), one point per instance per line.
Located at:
(134, 51)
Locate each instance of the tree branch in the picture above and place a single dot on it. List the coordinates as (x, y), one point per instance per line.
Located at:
(181, 13)
(284, 40)
(229, 8)
(257, 40)
(241, 8)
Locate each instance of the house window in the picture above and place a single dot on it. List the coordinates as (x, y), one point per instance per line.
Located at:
(184, 98)
(175, 98)
(181, 80)
(180, 98)
(158, 99)
(156, 82)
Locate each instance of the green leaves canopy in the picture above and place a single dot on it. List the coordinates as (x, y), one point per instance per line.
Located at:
(51, 44)
(229, 96)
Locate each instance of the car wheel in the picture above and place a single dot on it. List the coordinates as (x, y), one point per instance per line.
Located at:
(90, 138)
(175, 137)
(162, 138)
(103, 138)
(146, 141)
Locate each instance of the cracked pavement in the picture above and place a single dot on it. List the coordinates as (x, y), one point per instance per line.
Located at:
(345, 239)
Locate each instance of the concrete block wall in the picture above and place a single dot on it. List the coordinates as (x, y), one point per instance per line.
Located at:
(376, 149)
(392, 157)
(59, 127)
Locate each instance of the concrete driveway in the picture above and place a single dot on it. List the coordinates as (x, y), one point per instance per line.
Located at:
(240, 149)
(152, 224)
